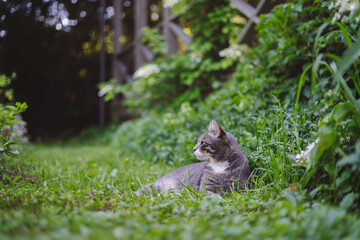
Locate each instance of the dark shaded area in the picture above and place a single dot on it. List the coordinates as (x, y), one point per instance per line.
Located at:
(56, 74)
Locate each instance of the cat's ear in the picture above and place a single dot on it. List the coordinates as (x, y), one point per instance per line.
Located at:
(215, 129)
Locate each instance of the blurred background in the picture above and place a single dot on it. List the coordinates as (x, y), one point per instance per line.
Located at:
(54, 48)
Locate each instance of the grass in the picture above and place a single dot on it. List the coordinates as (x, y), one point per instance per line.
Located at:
(86, 192)
(83, 191)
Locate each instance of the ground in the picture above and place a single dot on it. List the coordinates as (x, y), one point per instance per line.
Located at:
(87, 192)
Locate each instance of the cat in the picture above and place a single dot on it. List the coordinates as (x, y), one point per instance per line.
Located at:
(224, 168)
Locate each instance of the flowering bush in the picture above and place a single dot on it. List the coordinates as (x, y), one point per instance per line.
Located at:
(343, 10)
(146, 70)
(194, 71)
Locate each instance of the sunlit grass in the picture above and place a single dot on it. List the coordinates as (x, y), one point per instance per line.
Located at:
(88, 192)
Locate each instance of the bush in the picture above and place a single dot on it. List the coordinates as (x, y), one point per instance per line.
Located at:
(11, 126)
(192, 73)
(284, 95)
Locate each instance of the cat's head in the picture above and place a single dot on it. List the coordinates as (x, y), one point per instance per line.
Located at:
(215, 144)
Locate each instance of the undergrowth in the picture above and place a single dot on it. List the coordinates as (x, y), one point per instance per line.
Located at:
(298, 87)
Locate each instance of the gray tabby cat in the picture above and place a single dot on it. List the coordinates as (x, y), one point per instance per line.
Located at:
(225, 167)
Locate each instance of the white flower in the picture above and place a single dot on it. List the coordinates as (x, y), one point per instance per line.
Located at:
(232, 52)
(104, 90)
(353, 6)
(169, 3)
(196, 57)
(146, 70)
(305, 154)
(344, 8)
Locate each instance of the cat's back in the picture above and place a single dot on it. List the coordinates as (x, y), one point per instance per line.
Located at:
(183, 175)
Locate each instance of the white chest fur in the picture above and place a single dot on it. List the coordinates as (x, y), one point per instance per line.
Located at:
(217, 167)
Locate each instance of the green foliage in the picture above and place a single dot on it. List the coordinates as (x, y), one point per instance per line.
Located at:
(212, 27)
(292, 45)
(169, 138)
(8, 118)
(94, 136)
(155, 41)
(335, 158)
(276, 103)
(87, 192)
(284, 95)
(6, 93)
(193, 73)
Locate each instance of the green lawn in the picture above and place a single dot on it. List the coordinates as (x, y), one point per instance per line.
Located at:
(86, 192)
(300, 85)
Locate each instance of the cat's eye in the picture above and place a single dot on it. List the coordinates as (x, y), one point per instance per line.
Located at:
(202, 142)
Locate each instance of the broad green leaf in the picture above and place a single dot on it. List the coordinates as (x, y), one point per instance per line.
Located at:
(347, 201)
(349, 159)
(331, 169)
(8, 143)
(341, 110)
(314, 192)
(347, 60)
(12, 152)
(307, 176)
(327, 139)
(11, 108)
(344, 176)
(345, 33)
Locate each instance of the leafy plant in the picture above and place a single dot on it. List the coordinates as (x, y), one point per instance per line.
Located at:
(6, 93)
(335, 170)
(155, 41)
(277, 102)
(8, 118)
(194, 71)
(291, 91)
(298, 88)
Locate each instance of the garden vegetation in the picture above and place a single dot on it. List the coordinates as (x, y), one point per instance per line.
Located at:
(291, 101)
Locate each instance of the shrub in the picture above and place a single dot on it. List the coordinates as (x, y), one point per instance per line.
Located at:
(193, 72)
(334, 173)
(287, 92)
(11, 126)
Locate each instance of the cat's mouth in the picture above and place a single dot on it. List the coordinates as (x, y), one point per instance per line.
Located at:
(201, 156)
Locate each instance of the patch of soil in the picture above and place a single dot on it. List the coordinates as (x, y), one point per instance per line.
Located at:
(24, 176)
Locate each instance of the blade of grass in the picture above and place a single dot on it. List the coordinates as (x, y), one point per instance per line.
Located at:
(348, 59)
(345, 34)
(314, 73)
(301, 80)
